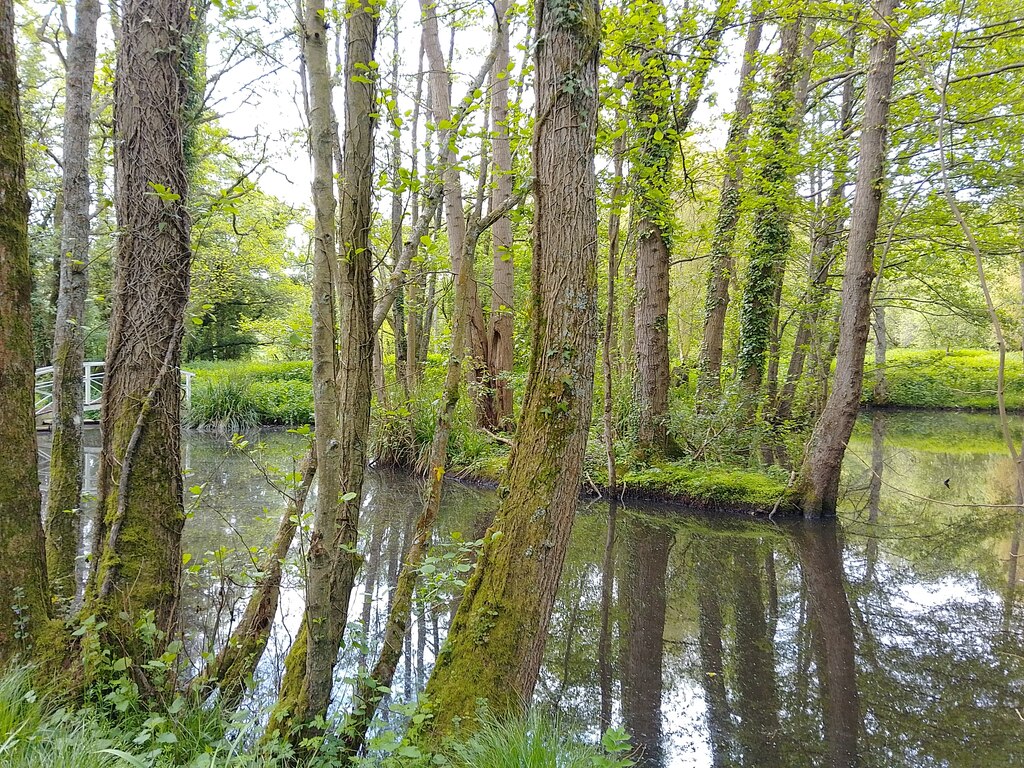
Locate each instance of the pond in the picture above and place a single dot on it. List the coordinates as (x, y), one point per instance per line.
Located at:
(890, 638)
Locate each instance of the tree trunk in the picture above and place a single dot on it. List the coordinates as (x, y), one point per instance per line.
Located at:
(343, 363)
(501, 318)
(496, 640)
(64, 495)
(614, 249)
(454, 203)
(654, 133)
(236, 662)
(828, 232)
(22, 561)
(770, 236)
(817, 487)
(370, 689)
(709, 367)
(880, 393)
(417, 287)
(138, 557)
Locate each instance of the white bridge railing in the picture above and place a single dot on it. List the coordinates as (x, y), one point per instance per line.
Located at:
(93, 385)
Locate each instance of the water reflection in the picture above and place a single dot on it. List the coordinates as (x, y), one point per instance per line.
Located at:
(892, 638)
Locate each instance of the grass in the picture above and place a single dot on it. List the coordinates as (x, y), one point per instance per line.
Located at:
(36, 732)
(965, 378)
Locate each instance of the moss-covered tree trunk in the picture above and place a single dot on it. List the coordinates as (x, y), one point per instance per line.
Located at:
(138, 553)
(817, 486)
(23, 585)
(64, 494)
(773, 199)
(709, 365)
(497, 637)
(343, 362)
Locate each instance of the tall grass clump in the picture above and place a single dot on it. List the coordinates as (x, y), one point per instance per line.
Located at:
(537, 741)
(223, 405)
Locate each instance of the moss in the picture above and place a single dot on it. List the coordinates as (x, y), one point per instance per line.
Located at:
(719, 488)
(291, 698)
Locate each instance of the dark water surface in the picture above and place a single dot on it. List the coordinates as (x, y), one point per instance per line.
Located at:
(891, 638)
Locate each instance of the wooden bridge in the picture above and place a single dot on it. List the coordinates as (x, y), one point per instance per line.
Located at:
(93, 384)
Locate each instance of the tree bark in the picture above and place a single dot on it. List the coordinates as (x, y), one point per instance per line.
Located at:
(655, 135)
(607, 364)
(827, 234)
(64, 495)
(138, 557)
(709, 367)
(496, 640)
(817, 488)
(22, 560)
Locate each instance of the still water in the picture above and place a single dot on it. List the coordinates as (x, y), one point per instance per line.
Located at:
(891, 638)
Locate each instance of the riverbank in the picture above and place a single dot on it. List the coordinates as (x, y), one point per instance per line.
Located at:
(697, 486)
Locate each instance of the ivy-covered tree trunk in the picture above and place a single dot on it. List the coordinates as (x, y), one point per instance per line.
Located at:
(817, 486)
(496, 640)
(501, 316)
(827, 235)
(138, 552)
(343, 371)
(709, 365)
(773, 195)
(64, 494)
(23, 585)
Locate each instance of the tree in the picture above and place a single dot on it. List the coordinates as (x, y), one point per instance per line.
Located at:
(817, 487)
(501, 326)
(22, 564)
(773, 193)
(342, 284)
(65, 489)
(137, 551)
(709, 366)
(497, 637)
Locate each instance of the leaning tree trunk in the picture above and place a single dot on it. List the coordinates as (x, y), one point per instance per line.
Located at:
(497, 637)
(22, 559)
(342, 390)
(770, 238)
(235, 664)
(138, 557)
(64, 495)
(827, 233)
(709, 366)
(817, 488)
(502, 286)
